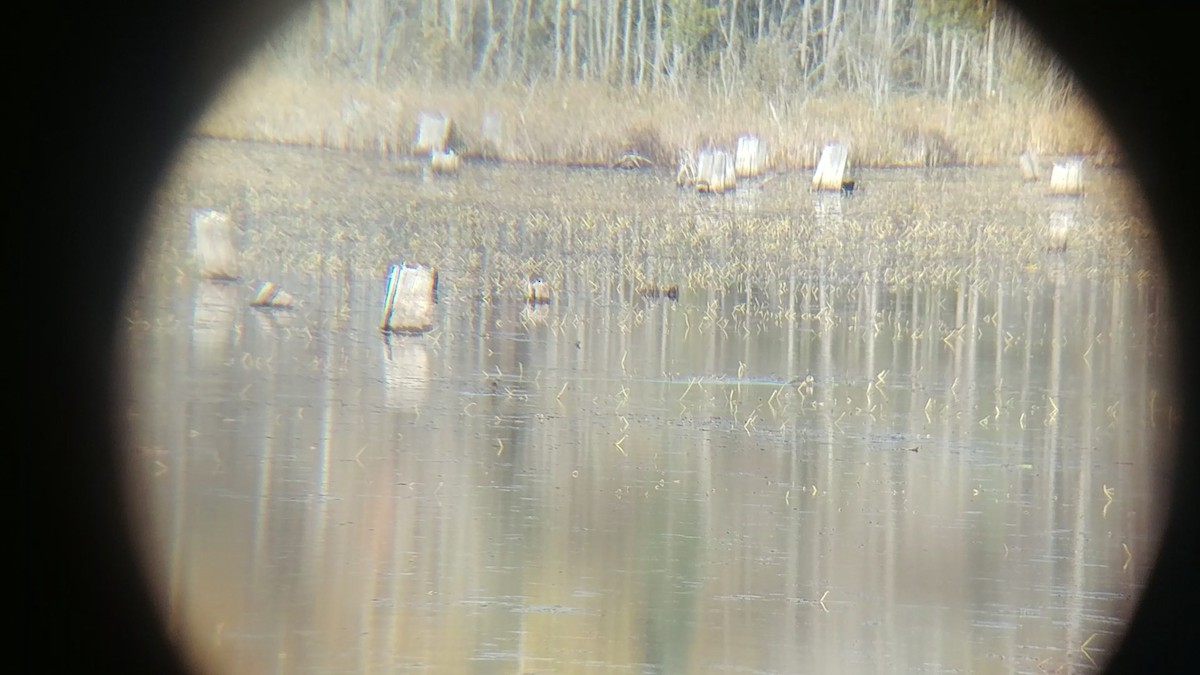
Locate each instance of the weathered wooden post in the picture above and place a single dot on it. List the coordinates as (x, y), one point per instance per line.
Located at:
(271, 296)
(1029, 166)
(1067, 178)
(831, 169)
(750, 158)
(409, 299)
(537, 290)
(215, 250)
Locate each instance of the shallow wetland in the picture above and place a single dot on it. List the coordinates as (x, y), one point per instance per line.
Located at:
(884, 432)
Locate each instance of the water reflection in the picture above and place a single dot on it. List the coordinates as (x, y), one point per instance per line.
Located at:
(406, 371)
(213, 320)
(838, 450)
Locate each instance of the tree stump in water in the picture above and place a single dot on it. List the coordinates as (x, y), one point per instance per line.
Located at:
(750, 157)
(715, 172)
(433, 133)
(215, 249)
(831, 172)
(409, 299)
(1067, 178)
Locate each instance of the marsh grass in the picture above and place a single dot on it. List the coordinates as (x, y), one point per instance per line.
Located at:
(816, 264)
(592, 124)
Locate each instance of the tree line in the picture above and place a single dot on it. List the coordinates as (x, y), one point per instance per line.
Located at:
(877, 49)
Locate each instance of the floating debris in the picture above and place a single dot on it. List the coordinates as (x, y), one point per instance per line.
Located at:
(655, 292)
(271, 296)
(632, 160)
(537, 290)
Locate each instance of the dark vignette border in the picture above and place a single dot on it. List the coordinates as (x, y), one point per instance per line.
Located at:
(111, 89)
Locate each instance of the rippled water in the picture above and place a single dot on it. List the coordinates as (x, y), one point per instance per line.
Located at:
(881, 433)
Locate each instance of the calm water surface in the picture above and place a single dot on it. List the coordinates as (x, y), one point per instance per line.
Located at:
(883, 433)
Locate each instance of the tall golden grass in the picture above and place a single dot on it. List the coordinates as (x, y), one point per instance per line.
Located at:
(588, 123)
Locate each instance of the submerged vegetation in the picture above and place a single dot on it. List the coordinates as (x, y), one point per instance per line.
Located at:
(904, 82)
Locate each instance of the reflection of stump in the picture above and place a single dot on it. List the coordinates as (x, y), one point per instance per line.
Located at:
(746, 201)
(409, 298)
(1062, 222)
(215, 249)
(537, 290)
(213, 319)
(535, 314)
(270, 296)
(446, 162)
(1029, 166)
(654, 292)
(828, 211)
(405, 373)
(831, 169)
(750, 158)
(1067, 178)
